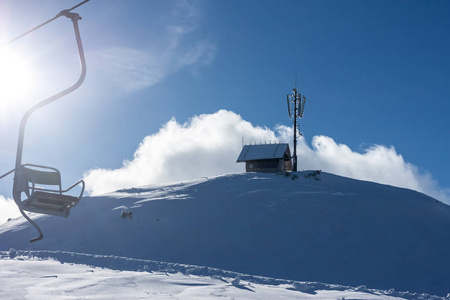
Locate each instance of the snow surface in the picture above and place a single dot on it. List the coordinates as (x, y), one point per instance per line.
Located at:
(46, 278)
(298, 229)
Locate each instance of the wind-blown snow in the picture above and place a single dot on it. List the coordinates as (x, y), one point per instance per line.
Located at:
(333, 230)
(196, 145)
(8, 209)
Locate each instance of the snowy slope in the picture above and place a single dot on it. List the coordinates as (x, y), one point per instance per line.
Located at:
(333, 230)
(42, 277)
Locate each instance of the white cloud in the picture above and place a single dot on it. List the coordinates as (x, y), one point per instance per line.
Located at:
(378, 164)
(8, 209)
(209, 144)
(132, 69)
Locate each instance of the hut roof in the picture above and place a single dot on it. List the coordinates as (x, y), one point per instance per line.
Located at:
(266, 151)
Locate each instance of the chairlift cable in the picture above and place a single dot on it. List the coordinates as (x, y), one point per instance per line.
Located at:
(45, 23)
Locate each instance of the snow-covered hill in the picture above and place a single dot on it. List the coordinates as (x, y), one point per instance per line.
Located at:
(333, 230)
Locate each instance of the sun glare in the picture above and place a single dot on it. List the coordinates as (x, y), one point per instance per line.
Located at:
(16, 80)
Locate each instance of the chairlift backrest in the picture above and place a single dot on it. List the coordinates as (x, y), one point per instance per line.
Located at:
(34, 176)
(29, 177)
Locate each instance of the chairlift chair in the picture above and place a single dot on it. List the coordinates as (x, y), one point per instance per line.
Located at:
(49, 199)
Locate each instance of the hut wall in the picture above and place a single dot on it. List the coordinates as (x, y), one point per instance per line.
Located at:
(287, 165)
(267, 165)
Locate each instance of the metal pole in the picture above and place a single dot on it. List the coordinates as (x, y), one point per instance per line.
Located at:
(294, 167)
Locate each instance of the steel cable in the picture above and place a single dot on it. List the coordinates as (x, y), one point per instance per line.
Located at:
(45, 23)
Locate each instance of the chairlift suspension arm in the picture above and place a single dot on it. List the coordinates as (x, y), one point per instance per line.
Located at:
(74, 17)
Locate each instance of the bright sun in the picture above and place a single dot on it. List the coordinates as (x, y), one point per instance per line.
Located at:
(16, 80)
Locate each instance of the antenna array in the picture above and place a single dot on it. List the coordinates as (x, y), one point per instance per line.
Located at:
(296, 106)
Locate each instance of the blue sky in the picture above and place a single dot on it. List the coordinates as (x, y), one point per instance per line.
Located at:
(375, 74)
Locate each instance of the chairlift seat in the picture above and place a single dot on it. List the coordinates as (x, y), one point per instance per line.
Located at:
(45, 200)
(50, 203)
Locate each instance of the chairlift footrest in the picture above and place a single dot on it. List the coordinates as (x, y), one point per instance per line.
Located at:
(57, 199)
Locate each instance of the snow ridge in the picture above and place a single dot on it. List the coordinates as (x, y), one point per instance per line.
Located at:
(142, 265)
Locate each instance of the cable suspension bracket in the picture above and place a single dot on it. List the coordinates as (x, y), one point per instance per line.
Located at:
(65, 12)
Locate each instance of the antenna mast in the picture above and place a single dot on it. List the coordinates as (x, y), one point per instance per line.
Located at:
(296, 112)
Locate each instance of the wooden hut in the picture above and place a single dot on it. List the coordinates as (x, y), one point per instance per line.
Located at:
(271, 158)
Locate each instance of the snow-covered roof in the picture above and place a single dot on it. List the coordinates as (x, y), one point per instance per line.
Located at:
(266, 151)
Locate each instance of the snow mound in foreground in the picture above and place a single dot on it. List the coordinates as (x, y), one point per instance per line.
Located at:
(302, 227)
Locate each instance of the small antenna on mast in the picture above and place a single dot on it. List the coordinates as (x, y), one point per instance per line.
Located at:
(298, 102)
(289, 106)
